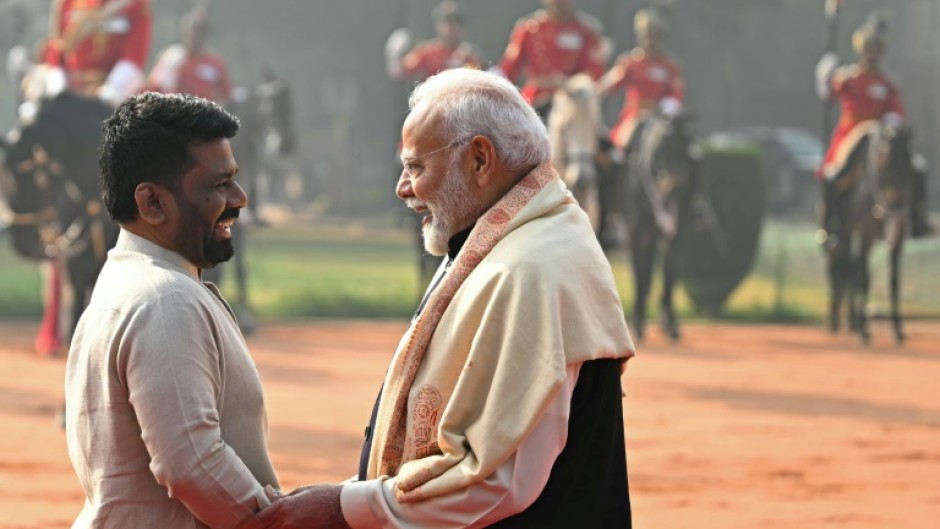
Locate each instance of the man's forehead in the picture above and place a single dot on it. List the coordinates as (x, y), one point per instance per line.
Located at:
(215, 155)
(420, 127)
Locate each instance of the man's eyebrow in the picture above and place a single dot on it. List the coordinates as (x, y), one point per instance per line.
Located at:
(407, 155)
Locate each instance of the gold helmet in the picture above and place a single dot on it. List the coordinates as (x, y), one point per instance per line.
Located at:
(649, 21)
(871, 34)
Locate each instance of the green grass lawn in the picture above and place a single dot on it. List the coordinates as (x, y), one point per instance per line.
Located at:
(20, 284)
(353, 270)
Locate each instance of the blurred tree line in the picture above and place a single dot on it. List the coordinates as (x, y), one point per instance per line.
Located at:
(747, 62)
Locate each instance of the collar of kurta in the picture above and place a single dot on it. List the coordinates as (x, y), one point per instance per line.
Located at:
(130, 242)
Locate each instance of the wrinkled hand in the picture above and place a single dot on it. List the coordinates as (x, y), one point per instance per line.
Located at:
(311, 507)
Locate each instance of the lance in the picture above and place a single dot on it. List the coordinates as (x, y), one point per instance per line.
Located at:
(832, 46)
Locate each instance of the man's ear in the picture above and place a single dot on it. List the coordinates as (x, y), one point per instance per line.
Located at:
(153, 202)
(483, 160)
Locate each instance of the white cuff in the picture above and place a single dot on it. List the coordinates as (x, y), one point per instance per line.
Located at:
(670, 106)
(124, 81)
(892, 119)
(354, 502)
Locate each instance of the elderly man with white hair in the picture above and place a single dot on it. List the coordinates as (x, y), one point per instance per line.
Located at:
(502, 406)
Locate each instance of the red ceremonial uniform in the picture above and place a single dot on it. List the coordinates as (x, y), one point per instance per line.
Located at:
(863, 96)
(646, 80)
(204, 75)
(542, 47)
(88, 45)
(435, 56)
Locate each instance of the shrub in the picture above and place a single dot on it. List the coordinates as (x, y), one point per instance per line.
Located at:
(717, 254)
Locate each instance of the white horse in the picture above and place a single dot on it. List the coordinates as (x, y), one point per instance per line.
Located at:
(574, 126)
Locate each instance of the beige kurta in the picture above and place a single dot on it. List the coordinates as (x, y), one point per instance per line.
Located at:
(165, 417)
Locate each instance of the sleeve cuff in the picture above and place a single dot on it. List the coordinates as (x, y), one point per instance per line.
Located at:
(354, 502)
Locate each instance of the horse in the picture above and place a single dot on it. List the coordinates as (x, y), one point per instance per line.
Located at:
(871, 201)
(574, 126)
(660, 173)
(50, 181)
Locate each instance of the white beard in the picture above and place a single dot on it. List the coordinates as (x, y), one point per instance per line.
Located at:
(452, 204)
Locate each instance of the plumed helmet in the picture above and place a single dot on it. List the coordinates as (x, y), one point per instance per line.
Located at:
(649, 21)
(870, 34)
(449, 11)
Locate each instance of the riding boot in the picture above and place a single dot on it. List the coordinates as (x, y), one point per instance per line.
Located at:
(920, 224)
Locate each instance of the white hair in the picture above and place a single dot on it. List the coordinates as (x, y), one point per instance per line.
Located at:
(472, 102)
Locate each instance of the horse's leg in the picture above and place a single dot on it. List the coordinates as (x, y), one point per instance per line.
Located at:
(839, 251)
(586, 195)
(896, 242)
(861, 282)
(838, 274)
(670, 323)
(642, 247)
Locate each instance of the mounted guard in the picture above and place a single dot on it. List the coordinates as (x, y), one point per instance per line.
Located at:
(658, 167)
(550, 46)
(650, 77)
(869, 98)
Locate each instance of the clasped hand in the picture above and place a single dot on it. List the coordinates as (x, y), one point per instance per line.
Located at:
(310, 507)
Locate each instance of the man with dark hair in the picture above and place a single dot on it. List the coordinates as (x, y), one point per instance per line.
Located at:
(165, 418)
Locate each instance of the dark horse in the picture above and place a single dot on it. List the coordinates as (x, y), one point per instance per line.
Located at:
(50, 181)
(871, 201)
(660, 176)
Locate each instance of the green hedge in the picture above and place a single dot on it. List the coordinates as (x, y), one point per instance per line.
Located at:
(735, 184)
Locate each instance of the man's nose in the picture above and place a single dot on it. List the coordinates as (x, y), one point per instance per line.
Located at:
(403, 189)
(238, 198)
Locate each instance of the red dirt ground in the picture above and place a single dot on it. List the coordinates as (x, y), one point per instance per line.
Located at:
(735, 427)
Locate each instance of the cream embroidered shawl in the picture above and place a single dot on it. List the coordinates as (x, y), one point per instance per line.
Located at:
(529, 293)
